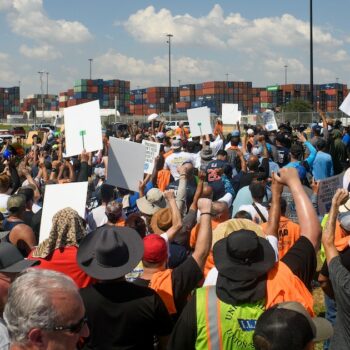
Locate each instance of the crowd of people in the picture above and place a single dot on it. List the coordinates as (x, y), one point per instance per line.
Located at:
(221, 247)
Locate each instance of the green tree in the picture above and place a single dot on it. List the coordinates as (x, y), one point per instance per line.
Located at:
(298, 106)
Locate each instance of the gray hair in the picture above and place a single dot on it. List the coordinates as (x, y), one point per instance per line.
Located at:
(29, 303)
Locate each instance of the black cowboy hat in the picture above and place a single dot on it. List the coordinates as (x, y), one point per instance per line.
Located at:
(110, 252)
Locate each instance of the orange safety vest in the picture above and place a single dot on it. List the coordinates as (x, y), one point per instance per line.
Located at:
(162, 283)
(288, 234)
(214, 317)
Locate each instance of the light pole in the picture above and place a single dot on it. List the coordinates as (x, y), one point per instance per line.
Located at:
(285, 74)
(47, 82)
(179, 82)
(169, 42)
(311, 59)
(227, 74)
(42, 96)
(90, 61)
(337, 80)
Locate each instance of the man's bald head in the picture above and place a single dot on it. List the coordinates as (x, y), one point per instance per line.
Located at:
(253, 163)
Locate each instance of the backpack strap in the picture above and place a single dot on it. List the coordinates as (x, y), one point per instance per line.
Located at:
(262, 217)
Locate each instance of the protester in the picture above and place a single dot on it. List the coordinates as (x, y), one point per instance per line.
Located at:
(339, 276)
(116, 308)
(288, 326)
(44, 311)
(244, 261)
(59, 251)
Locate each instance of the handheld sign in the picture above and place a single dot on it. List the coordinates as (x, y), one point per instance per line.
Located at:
(345, 106)
(270, 120)
(152, 151)
(83, 122)
(57, 197)
(230, 113)
(126, 161)
(199, 119)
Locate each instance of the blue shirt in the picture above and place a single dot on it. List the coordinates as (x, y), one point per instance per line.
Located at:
(346, 140)
(310, 159)
(322, 166)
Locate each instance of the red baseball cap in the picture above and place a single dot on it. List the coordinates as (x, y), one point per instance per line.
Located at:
(155, 249)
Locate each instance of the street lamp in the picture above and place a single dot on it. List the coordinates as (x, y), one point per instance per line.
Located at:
(311, 59)
(285, 74)
(47, 83)
(90, 62)
(169, 42)
(42, 96)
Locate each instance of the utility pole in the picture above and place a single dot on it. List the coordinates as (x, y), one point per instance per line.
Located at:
(47, 83)
(311, 58)
(90, 61)
(170, 94)
(285, 74)
(42, 96)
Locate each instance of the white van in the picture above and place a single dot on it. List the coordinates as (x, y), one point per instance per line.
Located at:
(174, 124)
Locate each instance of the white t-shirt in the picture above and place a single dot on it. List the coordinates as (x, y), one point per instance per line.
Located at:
(216, 145)
(254, 214)
(174, 160)
(212, 275)
(3, 203)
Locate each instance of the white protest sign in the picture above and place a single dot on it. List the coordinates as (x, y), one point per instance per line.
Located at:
(270, 120)
(57, 197)
(199, 119)
(230, 113)
(326, 191)
(152, 150)
(126, 161)
(82, 125)
(345, 106)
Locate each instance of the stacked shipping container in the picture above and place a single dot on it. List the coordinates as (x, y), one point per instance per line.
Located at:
(50, 102)
(106, 91)
(9, 101)
(153, 100)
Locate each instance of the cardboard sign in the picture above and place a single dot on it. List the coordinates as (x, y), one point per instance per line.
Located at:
(270, 120)
(57, 197)
(345, 106)
(29, 140)
(82, 125)
(326, 191)
(152, 151)
(230, 113)
(199, 119)
(126, 162)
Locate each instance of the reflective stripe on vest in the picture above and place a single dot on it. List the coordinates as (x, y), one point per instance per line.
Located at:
(222, 326)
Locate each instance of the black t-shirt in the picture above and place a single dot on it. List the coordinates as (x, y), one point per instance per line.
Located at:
(122, 315)
(27, 217)
(301, 259)
(283, 156)
(185, 278)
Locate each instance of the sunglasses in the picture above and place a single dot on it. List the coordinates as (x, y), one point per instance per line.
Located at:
(73, 328)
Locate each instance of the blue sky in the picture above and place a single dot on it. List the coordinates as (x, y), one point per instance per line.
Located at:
(252, 40)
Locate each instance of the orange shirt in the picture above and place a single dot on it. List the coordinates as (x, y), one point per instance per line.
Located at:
(167, 154)
(341, 237)
(288, 234)
(179, 131)
(163, 179)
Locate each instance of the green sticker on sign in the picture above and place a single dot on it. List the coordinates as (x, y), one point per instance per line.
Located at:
(82, 133)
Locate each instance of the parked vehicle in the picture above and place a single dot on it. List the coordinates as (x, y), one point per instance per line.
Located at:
(174, 124)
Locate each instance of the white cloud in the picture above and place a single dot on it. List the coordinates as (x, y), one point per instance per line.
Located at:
(5, 4)
(186, 69)
(149, 26)
(28, 18)
(43, 52)
(7, 75)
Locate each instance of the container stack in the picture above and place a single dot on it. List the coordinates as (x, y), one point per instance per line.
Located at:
(107, 92)
(187, 95)
(9, 101)
(331, 96)
(50, 103)
(138, 102)
(213, 93)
